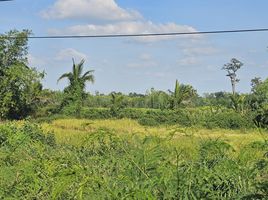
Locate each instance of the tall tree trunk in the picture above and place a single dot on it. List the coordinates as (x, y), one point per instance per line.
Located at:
(233, 87)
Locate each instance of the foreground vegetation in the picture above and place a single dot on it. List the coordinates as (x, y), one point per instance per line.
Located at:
(111, 159)
(159, 145)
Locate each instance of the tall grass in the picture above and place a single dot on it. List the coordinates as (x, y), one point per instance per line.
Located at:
(112, 163)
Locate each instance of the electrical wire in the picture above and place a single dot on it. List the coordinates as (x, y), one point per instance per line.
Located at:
(145, 34)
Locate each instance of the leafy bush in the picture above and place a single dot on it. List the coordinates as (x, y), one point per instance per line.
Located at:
(132, 113)
(213, 151)
(91, 113)
(146, 121)
(228, 120)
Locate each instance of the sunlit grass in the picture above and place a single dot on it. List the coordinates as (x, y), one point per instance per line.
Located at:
(74, 130)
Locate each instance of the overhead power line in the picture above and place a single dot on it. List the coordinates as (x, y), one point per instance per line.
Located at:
(146, 34)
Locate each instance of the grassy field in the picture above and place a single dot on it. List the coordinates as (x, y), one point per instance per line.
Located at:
(120, 159)
(72, 131)
(75, 132)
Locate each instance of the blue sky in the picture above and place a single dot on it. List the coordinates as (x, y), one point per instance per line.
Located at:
(135, 65)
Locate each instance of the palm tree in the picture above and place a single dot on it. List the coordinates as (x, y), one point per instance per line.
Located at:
(75, 92)
(76, 78)
(181, 93)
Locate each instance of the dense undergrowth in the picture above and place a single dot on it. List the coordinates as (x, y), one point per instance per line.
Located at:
(107, 166)
(207, 117)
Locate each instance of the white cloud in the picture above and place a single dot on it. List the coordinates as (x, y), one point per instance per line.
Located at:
(187, 61)
(35, 61)
(193, 53)
(130, 27)
(199, 51)
(212, 68)
(145, 64)
(145, 57)
(158, 74)
(123, 21)
(107, 10)
(67, 54)
(145, 60)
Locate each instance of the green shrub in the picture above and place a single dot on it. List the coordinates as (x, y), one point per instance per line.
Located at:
(200, 117)
(213, 151)
(131, 113)
(228, 120)
(96, 113)
(147, 121)
(261, 119)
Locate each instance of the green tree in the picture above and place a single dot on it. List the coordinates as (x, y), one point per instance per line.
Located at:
(117, 102)
(75, 92)
(19, 84)
(259, 101)
(231, 69)
(182, 93)
(49, 103)
(13, 48)
(19, 90)
(217, 99)
(240, 103)
(255, 82)
(156, 99)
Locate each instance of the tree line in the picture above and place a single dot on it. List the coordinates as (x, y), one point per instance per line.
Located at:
(22, 93)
